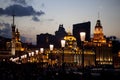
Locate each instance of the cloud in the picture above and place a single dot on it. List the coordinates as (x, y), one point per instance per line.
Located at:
(20, 11)
(5, 30)
(21, 8)
(23, 2)
(34, 18)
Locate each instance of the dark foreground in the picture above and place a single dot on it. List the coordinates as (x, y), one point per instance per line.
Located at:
(12, 71)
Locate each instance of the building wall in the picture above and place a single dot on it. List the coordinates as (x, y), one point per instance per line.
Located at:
(81, 27)
(104, 55)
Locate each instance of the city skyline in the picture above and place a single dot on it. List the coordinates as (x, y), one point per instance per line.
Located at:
(36, 17)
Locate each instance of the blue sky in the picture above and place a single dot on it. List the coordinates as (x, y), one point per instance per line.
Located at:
(44, 16)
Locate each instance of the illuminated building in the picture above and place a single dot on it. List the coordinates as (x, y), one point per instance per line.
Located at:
(15, 44)
(73, 54)
(98, 51)
(70, 41)
(117, 60)
(102, 47)
(56, 54)
(89, 54)
(98, 33)
(18, 45)
(70, 47)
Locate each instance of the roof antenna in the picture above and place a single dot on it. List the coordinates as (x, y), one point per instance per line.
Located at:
(98, 15)
(13, 14)
(13, 19)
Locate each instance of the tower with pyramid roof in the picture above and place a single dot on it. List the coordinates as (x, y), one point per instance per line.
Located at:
(102, 47)
(98, 33)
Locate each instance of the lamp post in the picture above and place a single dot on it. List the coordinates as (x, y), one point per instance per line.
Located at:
(63, 45)
(36, 55)
(51, 49)
(36, 51)
(32, 54)
(42, 51)
(75, 49)
(82, 37)
(75, 55)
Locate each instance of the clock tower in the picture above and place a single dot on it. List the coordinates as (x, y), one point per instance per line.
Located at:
(98, 33)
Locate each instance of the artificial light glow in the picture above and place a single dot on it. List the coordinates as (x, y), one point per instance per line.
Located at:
(36, 51)
(62, 43)
(32, 53)
(22, 56)
(51, 47)
(25, 56)
(41, 50)
(82, 36)
(22, 49)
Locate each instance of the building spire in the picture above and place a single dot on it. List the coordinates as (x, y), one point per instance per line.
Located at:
(98, 15)
(98, 23)
(13, 36)
(13, 19)
(13, 15)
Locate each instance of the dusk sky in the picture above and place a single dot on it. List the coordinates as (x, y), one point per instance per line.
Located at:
(34, 17)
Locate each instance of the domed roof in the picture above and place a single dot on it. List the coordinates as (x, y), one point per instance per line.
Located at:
(69, 37)
(70, 40)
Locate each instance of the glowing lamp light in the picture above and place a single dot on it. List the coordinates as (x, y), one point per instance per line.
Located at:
(82, 36)
(41, 50)
(33, 53)
(51, 47)
(36, 51)
(29, 54)
(62, 43)
(25, 56)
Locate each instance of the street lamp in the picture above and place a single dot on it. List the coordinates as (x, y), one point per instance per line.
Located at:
(42, 51)
(51, 49)
(62, 45)
(36, 51)
(82, 37)
(32, 54)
